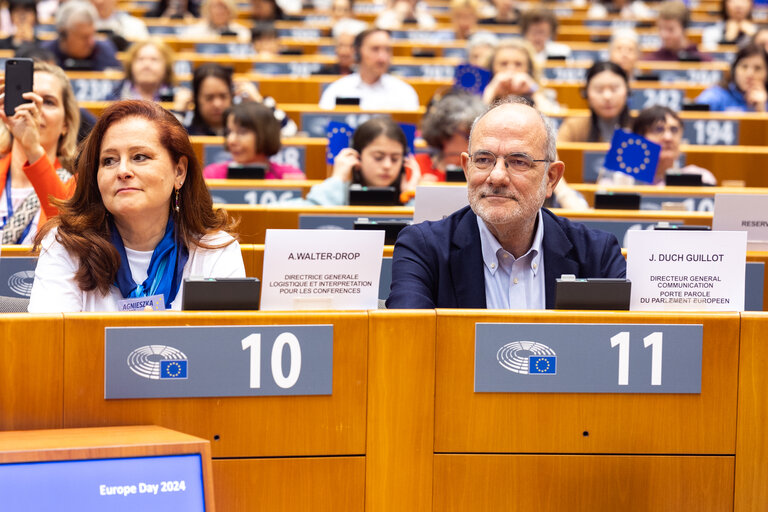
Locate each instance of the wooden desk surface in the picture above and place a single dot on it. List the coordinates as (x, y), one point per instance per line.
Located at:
(468, 422)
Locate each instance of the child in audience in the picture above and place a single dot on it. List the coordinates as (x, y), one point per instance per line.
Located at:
(252, 137)
(378, 158)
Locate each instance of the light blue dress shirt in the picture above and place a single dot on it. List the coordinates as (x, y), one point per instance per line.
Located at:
(513, 283)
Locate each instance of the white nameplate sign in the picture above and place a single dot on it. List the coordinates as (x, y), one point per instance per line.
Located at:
(686, 270)
(438, 201)
(743, 212)
(321, 269)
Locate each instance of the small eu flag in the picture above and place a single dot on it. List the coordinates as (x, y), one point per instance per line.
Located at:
(633, 155)
(338, 139)
(174, 369)
(471, 78)
(542, 365)
(410, 134)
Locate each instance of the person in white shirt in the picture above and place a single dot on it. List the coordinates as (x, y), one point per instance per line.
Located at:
(375, 88)
(119, 22)
(217, 20)
(140, 221)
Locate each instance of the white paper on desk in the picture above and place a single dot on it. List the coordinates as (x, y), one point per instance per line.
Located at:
(686, 270)
(743, 212)
(321, 269)
(435, 202)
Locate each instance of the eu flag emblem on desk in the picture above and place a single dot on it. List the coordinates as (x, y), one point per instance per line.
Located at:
(542, 365)
(633, 155)
(471, 78)
(174, 369)
(338, 139)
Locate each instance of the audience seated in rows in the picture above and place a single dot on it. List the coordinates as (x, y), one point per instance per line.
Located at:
(464, 16)
(624, 50)
(736, 26)
(38, 142)
(503, 12)
(371, 84)
(607, 91)
(515, 72)
(344, 33)
(480, 47)
(664, 127)
(745, 89)
(118, 22)
(141, 219)
(673, 21)
(400, 12)
(539, 27)
(218, 19)
(504, 238)
(445, 128)
(627, 9)
(378, 158)
(148, 72)
(252, 136)
(76, 47)
(23, 19)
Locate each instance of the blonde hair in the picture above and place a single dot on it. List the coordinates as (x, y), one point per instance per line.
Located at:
(525, 47)
(65, 149)
(169, 78)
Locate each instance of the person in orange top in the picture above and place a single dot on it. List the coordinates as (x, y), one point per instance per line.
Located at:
(41, 137)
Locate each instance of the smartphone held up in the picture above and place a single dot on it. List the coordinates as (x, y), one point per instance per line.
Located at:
(18, 80)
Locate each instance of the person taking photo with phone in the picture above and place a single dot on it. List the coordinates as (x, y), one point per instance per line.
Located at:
(38, 142)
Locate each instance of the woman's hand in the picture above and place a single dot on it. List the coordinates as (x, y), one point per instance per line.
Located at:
(24, 125)
(756, 98)
(183, 100)
(411, 183)
(345, 162)
(509, 82)
(247, 90)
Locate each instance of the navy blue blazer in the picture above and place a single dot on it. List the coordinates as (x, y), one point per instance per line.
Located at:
(440, 264)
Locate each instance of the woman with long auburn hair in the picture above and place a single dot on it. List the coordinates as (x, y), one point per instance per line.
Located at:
(140, 221)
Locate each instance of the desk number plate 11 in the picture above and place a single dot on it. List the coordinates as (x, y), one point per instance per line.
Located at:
(588, 358)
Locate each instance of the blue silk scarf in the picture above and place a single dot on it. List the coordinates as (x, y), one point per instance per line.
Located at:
(165, 267)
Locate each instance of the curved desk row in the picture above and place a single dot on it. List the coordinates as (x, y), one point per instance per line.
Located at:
(403, 428)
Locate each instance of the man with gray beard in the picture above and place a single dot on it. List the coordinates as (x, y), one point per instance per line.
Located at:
(503, 251)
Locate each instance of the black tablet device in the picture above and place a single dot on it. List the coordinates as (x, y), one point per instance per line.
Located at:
(372, 196)
(391, 228)
(594, 293)
(221, 294)
(616, 201)
(695, 107)
(683, 180)
(347, 101)
(455, 174)
(246, 171)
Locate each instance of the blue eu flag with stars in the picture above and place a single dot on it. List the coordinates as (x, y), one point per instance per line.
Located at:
(471, 78)
(410, 135)
(633, 155)
(174, 369)
(338, 139)
(542, 365)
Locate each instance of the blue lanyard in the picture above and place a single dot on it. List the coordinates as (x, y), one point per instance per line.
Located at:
(10, 209)
(8, 199)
